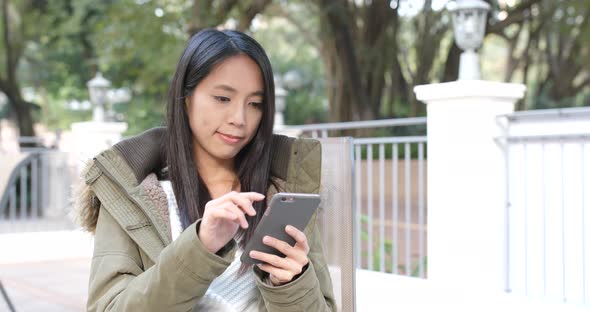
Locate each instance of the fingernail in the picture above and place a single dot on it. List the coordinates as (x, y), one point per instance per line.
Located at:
(266, 239)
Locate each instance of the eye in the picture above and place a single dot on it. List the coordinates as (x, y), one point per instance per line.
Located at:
(221, 99)
(257, 105)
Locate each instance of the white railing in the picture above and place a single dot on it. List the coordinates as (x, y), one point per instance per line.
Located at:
(323, 130)
(548, 208)
(35, 190)
(396, 187)
(389, 193)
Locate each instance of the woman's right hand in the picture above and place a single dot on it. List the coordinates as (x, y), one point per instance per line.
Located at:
(223, 216)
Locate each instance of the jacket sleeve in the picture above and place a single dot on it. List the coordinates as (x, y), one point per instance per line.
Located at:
(180, 276)
(311, 291)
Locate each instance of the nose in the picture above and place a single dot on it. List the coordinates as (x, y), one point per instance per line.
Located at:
(237, 115)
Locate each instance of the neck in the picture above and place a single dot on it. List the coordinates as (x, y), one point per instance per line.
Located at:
(215, 171)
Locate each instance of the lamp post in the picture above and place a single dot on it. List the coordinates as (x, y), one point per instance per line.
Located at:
(280, 99)
(103, 131)
(98, 88)
(291, 80)
(469, 22)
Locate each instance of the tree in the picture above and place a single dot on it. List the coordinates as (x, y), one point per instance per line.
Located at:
(206, 13)
(375, 52)
(548, 43)
(57, 46)
(13, 41)
(49, 45)
(139, 42)
(371, 53)
(370, 70)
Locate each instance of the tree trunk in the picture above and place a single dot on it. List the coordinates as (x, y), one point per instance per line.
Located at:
(24, 118)
(208, 13)
(345, 90)
(451, 71)
(13, 51)
(22, 110)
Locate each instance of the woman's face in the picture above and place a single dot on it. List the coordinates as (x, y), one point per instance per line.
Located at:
(225, 108)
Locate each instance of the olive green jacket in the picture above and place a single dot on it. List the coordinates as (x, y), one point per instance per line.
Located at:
(137, 267)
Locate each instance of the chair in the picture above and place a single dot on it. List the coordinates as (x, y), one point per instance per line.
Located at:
(337, 217)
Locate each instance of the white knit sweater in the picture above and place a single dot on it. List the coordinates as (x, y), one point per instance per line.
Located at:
(228, 292)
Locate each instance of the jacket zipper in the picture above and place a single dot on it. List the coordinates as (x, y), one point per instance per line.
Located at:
(110, 176)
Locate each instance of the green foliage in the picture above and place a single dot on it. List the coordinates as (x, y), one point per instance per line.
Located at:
(136, 44)
(59, 61)
(304, 108)
(54, 114)
(288, 50)
(143, 112)
(388, 254)
(139, 50)
(388, 151)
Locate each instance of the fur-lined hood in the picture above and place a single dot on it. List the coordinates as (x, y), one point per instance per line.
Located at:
(132, 168)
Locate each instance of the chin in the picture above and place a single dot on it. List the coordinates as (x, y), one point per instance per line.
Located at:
(226, 155)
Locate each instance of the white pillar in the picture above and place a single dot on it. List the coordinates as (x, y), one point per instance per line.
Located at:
(93, 137)
(466, 182)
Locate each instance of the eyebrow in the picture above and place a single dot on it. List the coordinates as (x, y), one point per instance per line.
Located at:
(230, 89)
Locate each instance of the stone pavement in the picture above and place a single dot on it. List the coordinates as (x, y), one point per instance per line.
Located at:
(45, 271)
(57, 285)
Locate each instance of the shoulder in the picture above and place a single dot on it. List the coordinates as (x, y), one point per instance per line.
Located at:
(298, 162)
(288, 152)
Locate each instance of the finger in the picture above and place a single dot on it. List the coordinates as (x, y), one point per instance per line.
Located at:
(283, 276)
(274, 260)
(241, 218)
(223, 214)
(242, 201)
(253, 196)
(297, 254)
(299, 236)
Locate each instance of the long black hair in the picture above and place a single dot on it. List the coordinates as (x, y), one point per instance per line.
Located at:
(204, 51)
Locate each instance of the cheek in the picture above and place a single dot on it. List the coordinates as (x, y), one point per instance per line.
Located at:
(256, 120)
(197, 114)
(200, 125)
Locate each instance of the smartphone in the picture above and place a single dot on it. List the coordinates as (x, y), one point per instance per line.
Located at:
(293, 209)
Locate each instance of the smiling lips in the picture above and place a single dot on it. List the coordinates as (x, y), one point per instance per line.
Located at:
(230, 139)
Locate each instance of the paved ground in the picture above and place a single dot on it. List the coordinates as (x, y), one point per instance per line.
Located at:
(59, 285)
(45, 270)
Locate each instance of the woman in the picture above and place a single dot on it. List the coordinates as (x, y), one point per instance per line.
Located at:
(172, 208)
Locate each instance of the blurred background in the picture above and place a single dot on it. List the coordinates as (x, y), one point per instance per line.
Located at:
(65, 64)
(342, 60)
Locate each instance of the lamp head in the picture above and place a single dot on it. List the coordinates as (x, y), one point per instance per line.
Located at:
(469, 22)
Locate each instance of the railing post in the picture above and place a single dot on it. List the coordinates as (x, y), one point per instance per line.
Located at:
(466, 178)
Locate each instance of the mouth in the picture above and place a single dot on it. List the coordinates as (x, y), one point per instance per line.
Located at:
(230, 139)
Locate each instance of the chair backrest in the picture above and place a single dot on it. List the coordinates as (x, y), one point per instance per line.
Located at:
(337, 217)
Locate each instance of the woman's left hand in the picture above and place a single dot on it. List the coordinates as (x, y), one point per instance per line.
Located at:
(283, 270)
